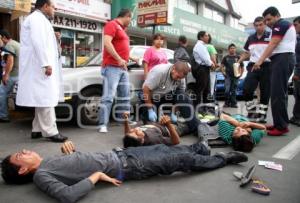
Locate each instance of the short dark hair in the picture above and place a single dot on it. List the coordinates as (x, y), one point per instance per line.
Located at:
(243, 143)
(124, 12)
(200, 34)
(129, 141)
(297, 19)
(273, 11)
(10, 173)
(40, 3)
(182, 39)
(231, 45)
(158, 35)
(5, 33)
(209, 39)
(258, 19)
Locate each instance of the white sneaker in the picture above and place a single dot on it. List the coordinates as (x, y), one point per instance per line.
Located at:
(103, 129)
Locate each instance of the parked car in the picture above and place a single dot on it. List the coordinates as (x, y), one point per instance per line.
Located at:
(83, 87)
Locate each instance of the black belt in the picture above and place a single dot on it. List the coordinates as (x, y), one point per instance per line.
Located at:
(122, 156)
(204, 66)
(286, 53)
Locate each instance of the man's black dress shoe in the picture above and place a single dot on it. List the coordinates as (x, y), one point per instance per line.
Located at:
(58, 138)
(36, 135)
(233, 157)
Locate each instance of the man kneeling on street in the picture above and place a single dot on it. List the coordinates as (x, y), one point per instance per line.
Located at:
(165, 87)
(68, 178)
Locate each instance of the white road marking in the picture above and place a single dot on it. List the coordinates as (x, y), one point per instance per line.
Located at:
(289, 151)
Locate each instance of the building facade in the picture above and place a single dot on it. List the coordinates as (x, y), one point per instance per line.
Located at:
(217, 17)
(79, 22)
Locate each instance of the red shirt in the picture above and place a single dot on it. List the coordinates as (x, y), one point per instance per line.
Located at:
(120, 42)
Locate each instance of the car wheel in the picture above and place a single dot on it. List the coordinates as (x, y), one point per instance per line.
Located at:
(89, 101)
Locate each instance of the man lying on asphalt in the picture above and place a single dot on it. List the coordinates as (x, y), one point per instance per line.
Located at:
(68, 178)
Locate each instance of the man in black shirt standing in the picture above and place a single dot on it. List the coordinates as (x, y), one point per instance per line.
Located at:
(231, 81)
(254, 48)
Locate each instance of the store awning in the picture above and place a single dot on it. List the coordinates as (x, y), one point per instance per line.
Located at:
(17, 8)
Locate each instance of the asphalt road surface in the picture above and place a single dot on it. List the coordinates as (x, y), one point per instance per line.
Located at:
(207, 187)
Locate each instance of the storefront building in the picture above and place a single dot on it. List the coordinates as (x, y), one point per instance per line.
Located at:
(190, 17)
(10, 10)
(81, 24)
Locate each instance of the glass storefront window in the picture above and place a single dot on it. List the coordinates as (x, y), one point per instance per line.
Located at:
(67, 45)
(79, 48)
(87, 47)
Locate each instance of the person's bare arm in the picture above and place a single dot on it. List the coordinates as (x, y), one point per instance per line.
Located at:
(99, 176)
(257, 126)
(245, 55)
(267, 53)
(230, 120)
(145, 69)
(8, 68)
(111, 50)
(126, 123)
(147, 96)
(175, 139)
(222, 68)
(213, 58)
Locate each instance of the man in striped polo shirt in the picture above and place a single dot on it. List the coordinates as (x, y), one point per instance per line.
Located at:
(254, 48)
(281, 50)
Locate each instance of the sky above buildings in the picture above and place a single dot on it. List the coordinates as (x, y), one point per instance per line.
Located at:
(250, 9)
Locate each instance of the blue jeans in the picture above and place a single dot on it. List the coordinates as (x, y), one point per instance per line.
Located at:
(147, 161)
(5, 90)
(231, 84)
(115, 80)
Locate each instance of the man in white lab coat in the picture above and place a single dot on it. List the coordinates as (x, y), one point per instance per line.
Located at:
(40, 79)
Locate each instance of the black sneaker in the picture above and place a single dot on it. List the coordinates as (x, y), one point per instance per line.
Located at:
(295, 121)
(4, 120)
(233, 157)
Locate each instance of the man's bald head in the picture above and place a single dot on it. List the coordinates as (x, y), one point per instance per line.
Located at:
(180, 70)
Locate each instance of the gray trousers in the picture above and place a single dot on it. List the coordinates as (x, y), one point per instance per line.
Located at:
(282, 66)
(296, 110)
(45, 121)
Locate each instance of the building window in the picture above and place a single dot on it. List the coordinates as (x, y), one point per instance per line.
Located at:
(212, 13)
(87, 47)
(187, 5)
(79, 48)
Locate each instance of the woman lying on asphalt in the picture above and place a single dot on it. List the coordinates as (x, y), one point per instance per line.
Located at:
(68, 178)
(239, 132)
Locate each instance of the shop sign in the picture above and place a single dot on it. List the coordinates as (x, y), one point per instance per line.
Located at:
(76, 24)
(23, 5)
(154, 12)
(92, 9)
(16, 5)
